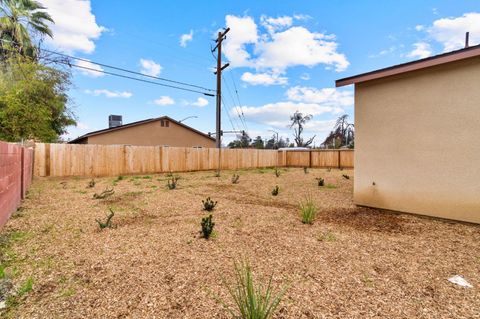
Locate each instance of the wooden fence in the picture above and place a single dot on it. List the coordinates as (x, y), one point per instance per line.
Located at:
(112, 160)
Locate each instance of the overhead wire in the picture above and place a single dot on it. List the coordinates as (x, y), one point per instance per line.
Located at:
(238, 98)
(130, 77)
(234, 105)
(120, 69)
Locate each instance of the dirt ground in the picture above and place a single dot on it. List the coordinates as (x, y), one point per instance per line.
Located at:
(351, 263)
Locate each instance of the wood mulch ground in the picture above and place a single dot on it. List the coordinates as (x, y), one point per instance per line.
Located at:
(351, 263)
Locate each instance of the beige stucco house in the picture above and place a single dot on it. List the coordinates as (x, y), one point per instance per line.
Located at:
(157, 131)
(417, 129)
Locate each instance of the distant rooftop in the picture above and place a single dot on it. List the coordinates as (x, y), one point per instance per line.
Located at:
(137, 123)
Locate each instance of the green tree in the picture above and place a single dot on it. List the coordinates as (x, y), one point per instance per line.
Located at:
(242, 141)
(33, 101)
(258, 143)
(20, 21)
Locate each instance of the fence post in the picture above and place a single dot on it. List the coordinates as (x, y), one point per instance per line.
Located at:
(310, 158)
(47, 159)
(22, 172)
(339, 160)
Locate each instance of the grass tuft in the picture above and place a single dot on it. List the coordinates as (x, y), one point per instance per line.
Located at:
(252, 300)
(308, 210)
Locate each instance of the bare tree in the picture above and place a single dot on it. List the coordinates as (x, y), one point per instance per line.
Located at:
(343, 133)
(298, 121)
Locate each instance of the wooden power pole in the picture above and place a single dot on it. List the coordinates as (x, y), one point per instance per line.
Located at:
(218, 72)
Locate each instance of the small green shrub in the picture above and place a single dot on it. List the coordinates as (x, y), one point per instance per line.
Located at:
(345, 176)
(308, 210)
(108, 222)
(252, 300)
(330, 186)
(106, 193)
(321, 181)
(91, 184)
(172, 182)
(275, 190)
(305, 170)
(277, 172)
(26, 287)
(207, 226)
(235, 178)
(208, 204)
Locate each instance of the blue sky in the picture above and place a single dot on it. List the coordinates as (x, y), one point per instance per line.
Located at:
(284, 55)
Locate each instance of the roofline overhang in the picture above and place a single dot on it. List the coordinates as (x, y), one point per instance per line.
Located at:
(453, 56)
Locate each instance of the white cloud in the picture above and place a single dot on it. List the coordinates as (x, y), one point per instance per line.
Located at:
(383, 52)
(274, 24)
(450, 32)
(278, 114)
(150, 67)
(75, 28)
(324, 96)
(281, 47)
(109, 94)
(243, 31)
(421, 50)
(82, 126)
(92, 70)
(419, 27)
(200, 102)
(266, 79)
(185, 38)
(305, 76)
(164, 100)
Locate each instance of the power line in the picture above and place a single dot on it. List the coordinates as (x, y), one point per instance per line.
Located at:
(228, 115)
(238, 98)
(118, 68)
(130, 71)
(233, 103)
(131, 78)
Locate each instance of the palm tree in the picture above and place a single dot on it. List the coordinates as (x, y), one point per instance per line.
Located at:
(20, 20)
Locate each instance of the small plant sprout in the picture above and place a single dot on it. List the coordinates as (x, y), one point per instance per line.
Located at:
(235, 178)
(207, 226)
(208, 204)
(217, 173)
(172, 182)
(275, 190)
(91, 184)
(321, 181)
(252, 300)
(345, 176)
(327, 236)
(277, 172)
(308, 210)
(305, 170)
(106, 193)
(108, 222)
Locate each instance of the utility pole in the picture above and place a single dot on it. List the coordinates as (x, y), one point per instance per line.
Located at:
(218, 72)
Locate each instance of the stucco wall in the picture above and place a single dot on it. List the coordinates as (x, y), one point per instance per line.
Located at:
(417, 137)
(151, 134)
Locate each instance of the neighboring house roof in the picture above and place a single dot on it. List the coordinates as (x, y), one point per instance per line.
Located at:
(121, 127)
(457, 55)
